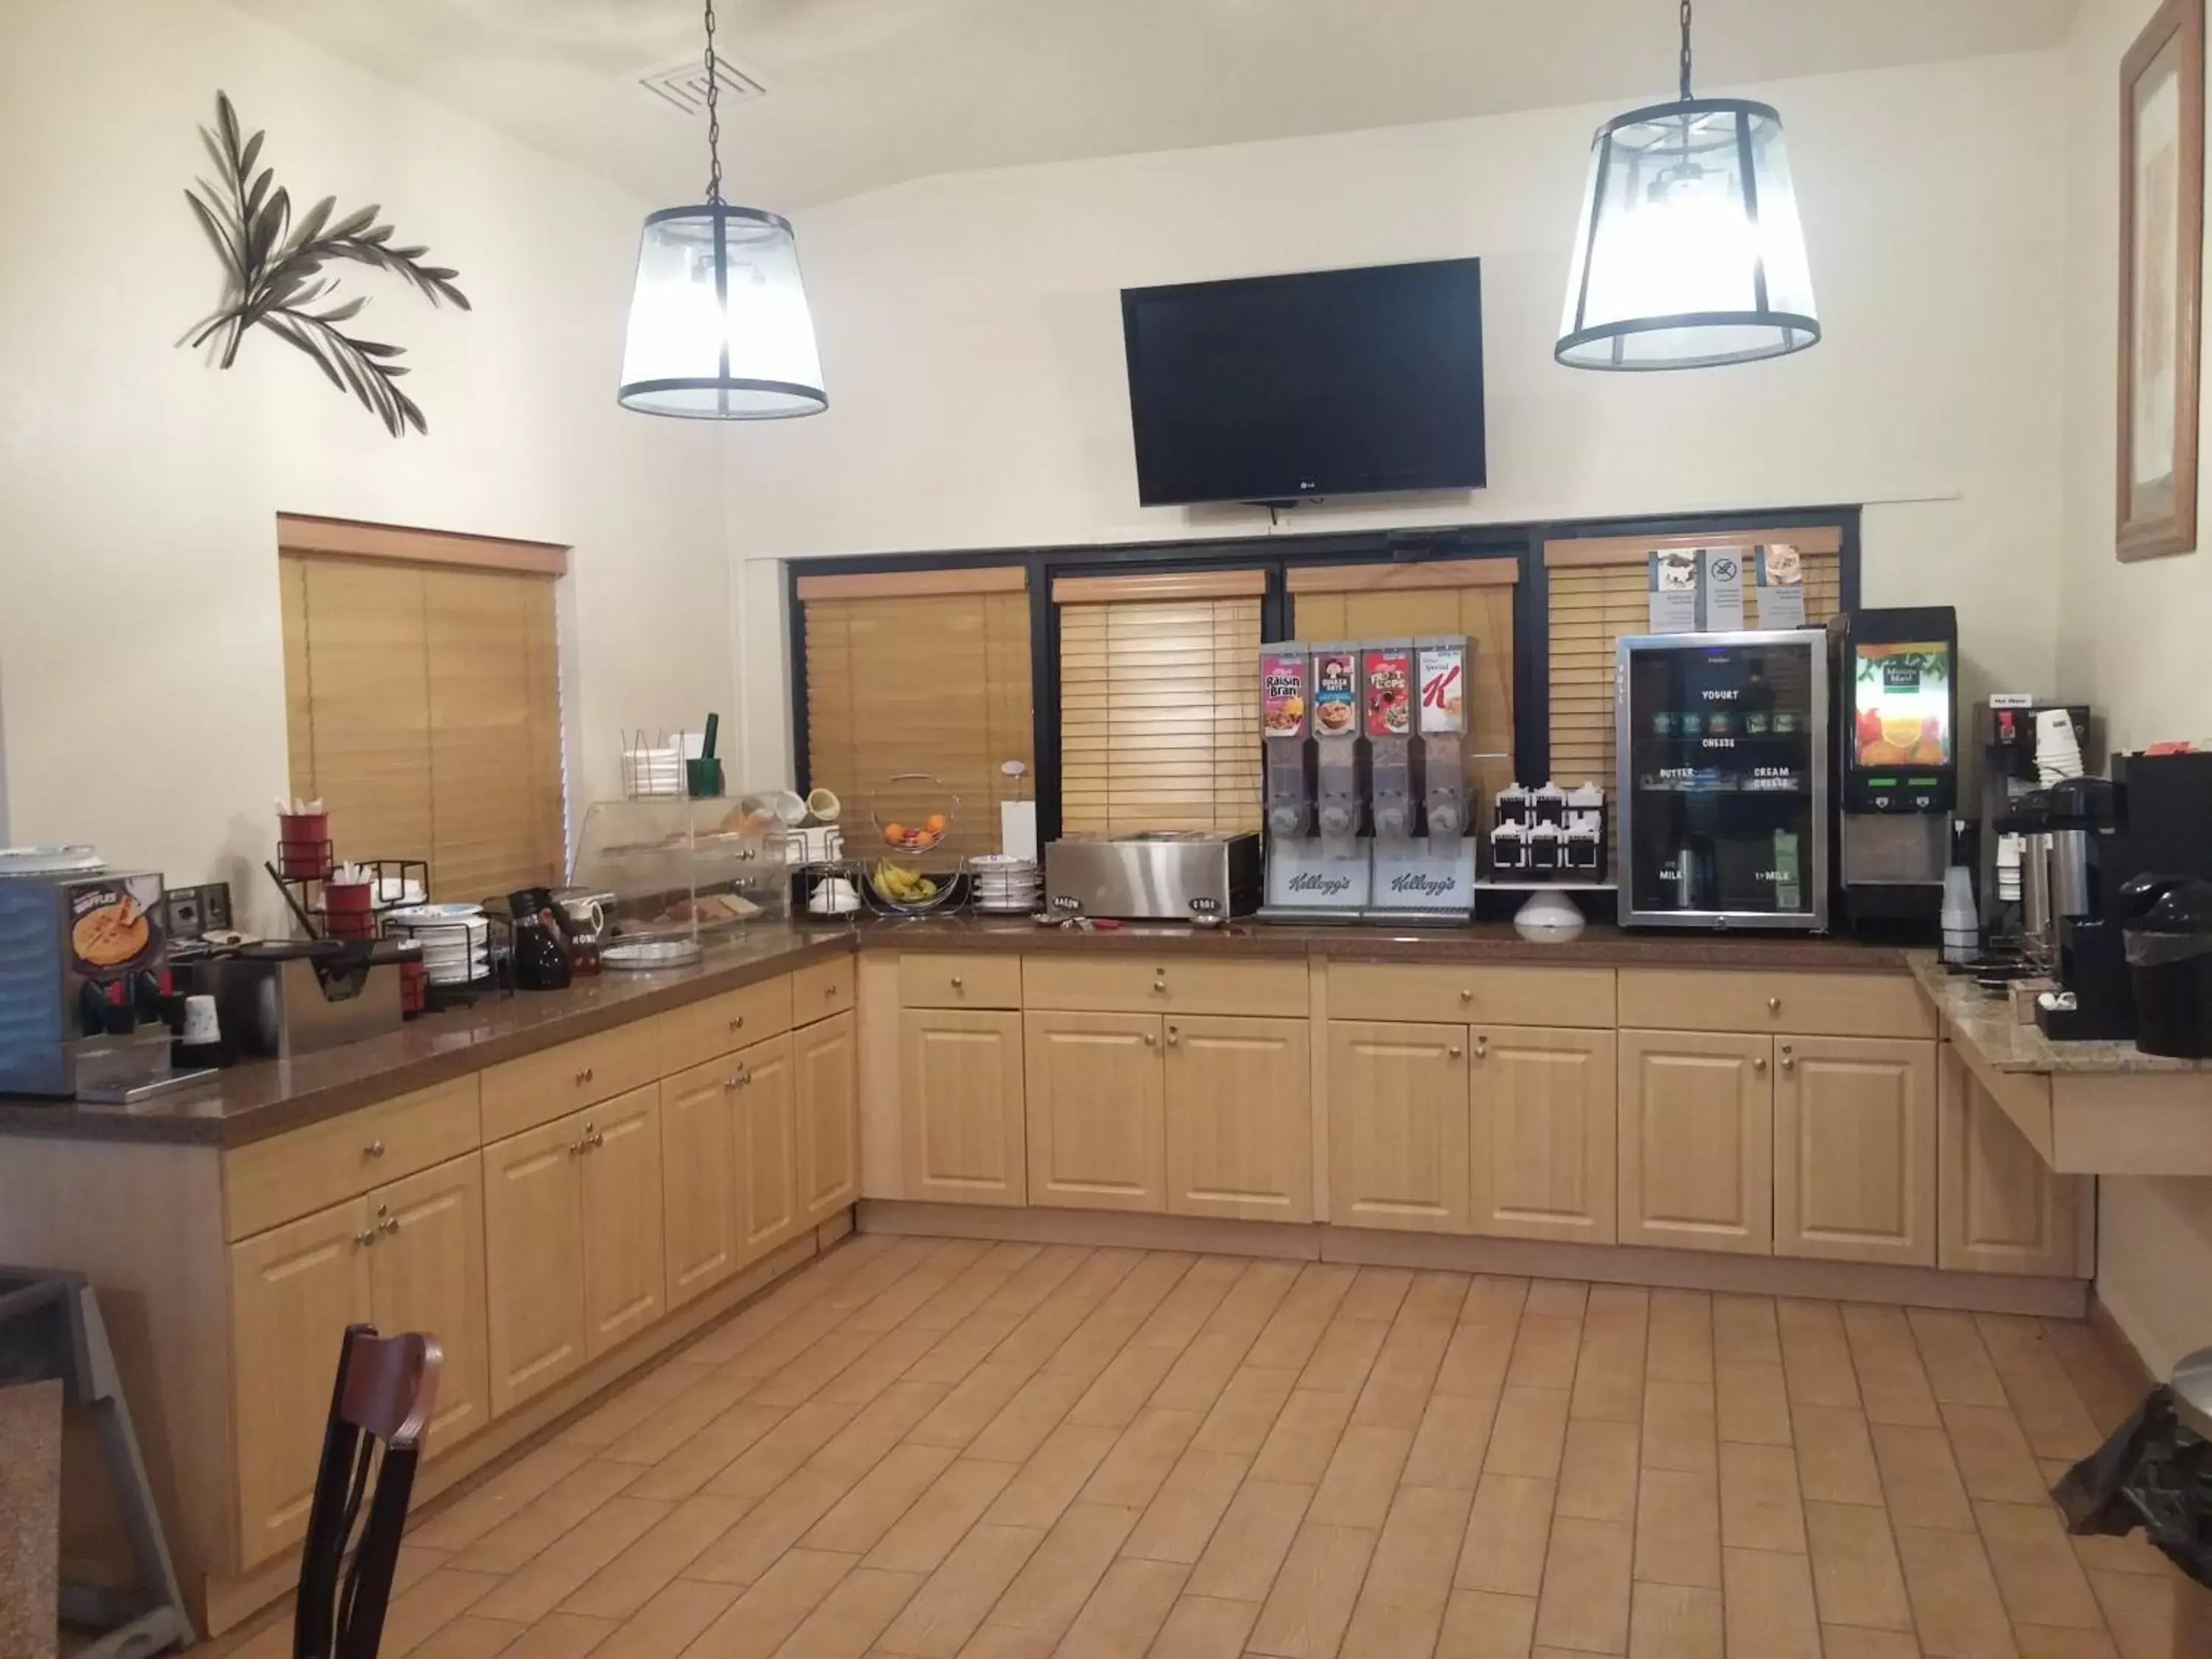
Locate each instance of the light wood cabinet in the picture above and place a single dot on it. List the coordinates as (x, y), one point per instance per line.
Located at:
(766, 1153)
(824, 1063)
(534, 1260)
(1466, 995)
(1697, 1141)
(1855, 1148)
(1780, 1003)
(699, 1179)
(821, 990)
(625, 1266)
(426, 1271)
(1239, 1118)
(1096, 1118)
(293, 1291)
(963, 1128)
(1542, 1133)
(945, 979)
(719, 1025)
(522, 1094)
(1398, 1126)
(2000, 1209)
(278, 1180)
(1077, 983)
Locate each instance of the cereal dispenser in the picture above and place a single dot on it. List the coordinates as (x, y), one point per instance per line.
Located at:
(1316, 797)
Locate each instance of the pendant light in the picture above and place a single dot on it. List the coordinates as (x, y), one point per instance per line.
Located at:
(1690, 253)
(719, 328)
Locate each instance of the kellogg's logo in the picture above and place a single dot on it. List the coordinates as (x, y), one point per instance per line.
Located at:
(1433, 886)
(1325, 886)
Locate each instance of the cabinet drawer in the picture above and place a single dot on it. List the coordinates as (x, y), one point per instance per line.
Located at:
(1158, 984)
(722, 1025)
(1576, 997)
(941, 980)
(520, 1094)
(282, 1179)
(1815, 1005)
(821, 990)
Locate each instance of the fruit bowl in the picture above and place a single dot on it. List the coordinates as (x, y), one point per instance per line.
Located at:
(914, 813)
(895, 890)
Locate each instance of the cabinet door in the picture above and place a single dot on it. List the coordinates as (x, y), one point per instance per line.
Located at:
(1096, 1119)
(963, 1125)
(824, 1064)
(427, 1273)
(1855, 1148)
(293, 1291)
(625, 1270)
(1397, 1127)
(768, 1162)
(1542, 1133)
(1999, 1208)
(534, 1259)
(699, 1178)
(1239, 1118)
(1697, 1141)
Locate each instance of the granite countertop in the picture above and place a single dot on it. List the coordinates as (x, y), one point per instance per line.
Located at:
(1977, 1019)
(260, 1098)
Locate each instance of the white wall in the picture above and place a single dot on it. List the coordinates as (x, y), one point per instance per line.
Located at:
(141, 670)
(2131, 641)
(971, 334)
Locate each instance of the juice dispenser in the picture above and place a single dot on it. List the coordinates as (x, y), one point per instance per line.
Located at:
(1898, 703)
(1316, 803)
(1427, 872)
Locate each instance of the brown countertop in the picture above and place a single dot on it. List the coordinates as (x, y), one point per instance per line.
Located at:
(260, 1098)
(252, 1102)
(1973, 1018)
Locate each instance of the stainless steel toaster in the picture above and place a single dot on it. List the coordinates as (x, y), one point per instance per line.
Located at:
(1195, 875)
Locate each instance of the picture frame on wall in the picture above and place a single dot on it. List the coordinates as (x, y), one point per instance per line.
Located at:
(2162, 281)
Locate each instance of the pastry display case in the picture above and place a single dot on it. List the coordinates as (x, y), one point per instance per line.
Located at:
(673, 874)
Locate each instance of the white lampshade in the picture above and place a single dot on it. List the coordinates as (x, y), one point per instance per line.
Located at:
(1690, 253)
(718, 327)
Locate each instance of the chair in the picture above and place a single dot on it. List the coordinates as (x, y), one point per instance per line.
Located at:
(387, 1387)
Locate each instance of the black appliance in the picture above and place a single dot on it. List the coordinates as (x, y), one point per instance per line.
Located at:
(2168, 924)
(2007, 740)
(1897, 706)
(1325, 383)
(2160, 806)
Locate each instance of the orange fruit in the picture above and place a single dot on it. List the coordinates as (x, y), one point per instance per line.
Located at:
(926, 838)
(895, 834)
(936, 823)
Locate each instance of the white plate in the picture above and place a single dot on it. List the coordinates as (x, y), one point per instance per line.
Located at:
(417, 913)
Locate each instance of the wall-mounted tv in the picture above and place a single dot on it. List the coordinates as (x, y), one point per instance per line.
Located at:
(1325, 383)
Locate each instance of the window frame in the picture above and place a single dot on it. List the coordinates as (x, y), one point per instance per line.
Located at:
(1277, 554)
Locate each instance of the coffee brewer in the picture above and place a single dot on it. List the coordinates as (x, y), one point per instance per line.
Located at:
(1317, 856)
(1424, 859)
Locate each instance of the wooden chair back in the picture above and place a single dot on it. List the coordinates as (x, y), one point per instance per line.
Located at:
(381, 1407)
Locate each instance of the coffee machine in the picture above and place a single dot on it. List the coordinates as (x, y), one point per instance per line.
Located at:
(1318, 867)
(2015, 736)
(1897, 702)
(1416, 721)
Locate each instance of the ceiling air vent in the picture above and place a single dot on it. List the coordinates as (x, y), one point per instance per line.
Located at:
(684, 84)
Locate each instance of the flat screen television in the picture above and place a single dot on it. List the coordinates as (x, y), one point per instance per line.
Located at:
(1325, 383)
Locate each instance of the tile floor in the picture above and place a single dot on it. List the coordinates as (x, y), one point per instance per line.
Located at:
(935, 1449)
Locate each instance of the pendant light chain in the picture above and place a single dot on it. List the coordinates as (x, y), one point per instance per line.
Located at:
(714, 109)
(1685, 48)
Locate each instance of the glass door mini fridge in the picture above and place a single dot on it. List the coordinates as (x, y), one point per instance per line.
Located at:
(1722, 741)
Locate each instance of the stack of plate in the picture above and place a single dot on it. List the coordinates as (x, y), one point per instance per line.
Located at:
(1006, 885)
(456, 940)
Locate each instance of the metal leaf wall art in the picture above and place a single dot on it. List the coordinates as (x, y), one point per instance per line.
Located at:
(274, 274)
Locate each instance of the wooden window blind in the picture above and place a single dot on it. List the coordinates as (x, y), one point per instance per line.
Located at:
(920, 672)
(1474, 596)
(1159, 702)
(423, 706)
(1599, 593)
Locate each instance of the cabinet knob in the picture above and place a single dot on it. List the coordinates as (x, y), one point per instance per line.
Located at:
(1467, 996)
(366, 1237)
(389, 1225)
(596, 1138)
(955, 981)
(829, 990)
(1151, 1042)
(739, 1078)
(577, 1148)
(1174, 1036)
(1758, 1063)
(374, 1149)
(1159, 980)
(583, 1076)
(1453, 1051)
(1774, 1005)
(1789, 1057)
(1482, 1047)
(738, 1023)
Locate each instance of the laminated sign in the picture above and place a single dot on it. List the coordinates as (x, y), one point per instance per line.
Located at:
(1781, 586)
(1721, 570)
(1674, 588)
